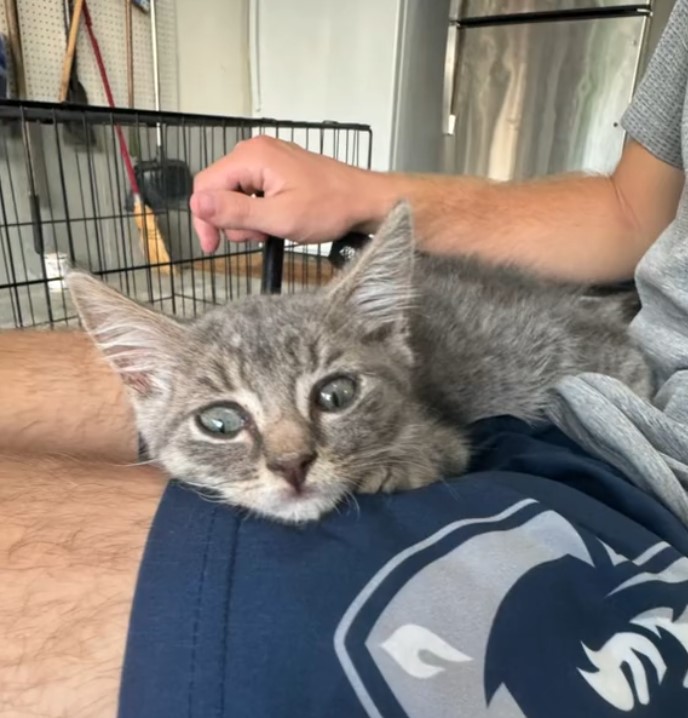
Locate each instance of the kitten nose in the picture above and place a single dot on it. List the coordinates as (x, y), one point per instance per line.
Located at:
(292, 467)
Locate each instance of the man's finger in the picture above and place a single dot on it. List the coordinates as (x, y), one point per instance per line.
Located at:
(237, 212)
(226, 210)
(209, 237)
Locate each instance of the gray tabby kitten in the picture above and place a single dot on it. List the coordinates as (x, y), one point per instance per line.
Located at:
(284, 405)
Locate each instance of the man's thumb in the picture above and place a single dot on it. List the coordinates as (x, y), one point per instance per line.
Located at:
(227, 210)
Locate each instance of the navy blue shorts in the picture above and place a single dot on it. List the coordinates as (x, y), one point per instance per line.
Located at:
(540, 584)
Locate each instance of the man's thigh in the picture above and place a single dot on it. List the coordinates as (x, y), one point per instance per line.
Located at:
(71, 540)
(58, 395)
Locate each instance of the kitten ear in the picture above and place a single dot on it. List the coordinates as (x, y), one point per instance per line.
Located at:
(378, 289)
(140, 343)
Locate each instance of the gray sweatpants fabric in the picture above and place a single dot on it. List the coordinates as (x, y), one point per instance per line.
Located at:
(648, 440)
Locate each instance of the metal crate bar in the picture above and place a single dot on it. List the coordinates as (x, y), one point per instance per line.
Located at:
(65, 200)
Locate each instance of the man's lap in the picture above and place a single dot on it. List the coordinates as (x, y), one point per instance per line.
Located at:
(509, 583)
(71, 538)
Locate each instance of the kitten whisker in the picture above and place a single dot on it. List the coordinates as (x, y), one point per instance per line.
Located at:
(148, 462)
(350, 498)
(456, 495)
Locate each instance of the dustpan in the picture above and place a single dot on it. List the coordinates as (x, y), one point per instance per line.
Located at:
(164, 181)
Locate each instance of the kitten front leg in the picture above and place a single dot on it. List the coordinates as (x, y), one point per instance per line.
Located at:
(376, 481)
(438, 453)
(392, 479)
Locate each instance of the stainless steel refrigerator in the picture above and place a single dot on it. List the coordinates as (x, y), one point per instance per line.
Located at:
(500, 88)
(534, 87)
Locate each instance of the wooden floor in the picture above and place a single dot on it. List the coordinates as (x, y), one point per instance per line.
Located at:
(214, 280)
(305, 269)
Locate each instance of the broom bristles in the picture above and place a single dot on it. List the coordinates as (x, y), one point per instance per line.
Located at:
(151, 237)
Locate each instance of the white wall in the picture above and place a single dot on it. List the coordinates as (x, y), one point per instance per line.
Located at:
(212, 46)
(329, 60)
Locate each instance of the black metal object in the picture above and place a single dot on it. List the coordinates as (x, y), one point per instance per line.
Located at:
(542, 16)
(344, 250)
(82, 215)
(273, 266)
(76, 93)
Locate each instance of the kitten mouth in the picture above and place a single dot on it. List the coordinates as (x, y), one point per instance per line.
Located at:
(306, 505)
(303, 492)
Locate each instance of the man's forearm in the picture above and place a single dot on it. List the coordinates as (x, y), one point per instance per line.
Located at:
(571, 227)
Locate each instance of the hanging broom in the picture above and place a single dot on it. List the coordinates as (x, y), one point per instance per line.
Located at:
(151, 237)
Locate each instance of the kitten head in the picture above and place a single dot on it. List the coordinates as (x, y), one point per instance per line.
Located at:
(284, 405)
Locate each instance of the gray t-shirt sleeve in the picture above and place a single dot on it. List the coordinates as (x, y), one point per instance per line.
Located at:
(654, 116)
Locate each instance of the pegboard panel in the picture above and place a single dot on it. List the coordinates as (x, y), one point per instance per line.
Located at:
(44, 41)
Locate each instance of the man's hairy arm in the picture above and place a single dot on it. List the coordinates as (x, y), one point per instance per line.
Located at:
(581, 227)
(71, 542)
(584, 228)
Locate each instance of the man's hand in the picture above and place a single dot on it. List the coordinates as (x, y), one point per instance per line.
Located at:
(306, 197)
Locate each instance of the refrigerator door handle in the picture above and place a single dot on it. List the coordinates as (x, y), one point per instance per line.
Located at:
(254, 55)
(448, 116)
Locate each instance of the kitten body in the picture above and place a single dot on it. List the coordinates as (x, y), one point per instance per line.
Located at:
(367, 384)
(493, 340)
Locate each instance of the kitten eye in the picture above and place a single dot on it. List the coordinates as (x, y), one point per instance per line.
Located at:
(336, 394)
(221, 421)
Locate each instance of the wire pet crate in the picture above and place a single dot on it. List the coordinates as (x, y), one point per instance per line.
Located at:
(67, 201)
